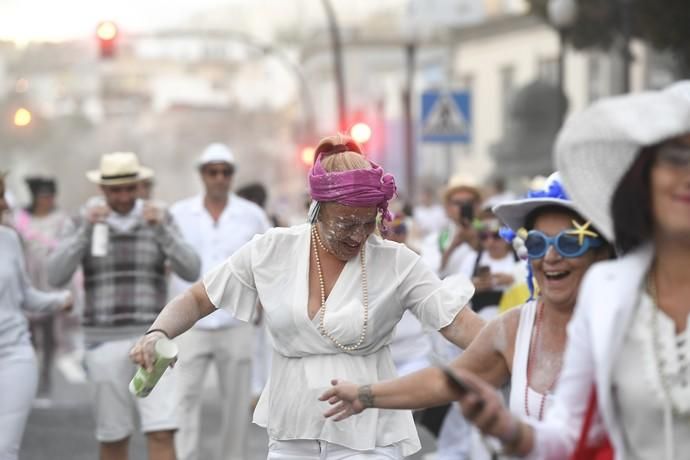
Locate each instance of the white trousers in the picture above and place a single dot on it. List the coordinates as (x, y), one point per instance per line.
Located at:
(308, 449)
(230, 349)
(18, 384)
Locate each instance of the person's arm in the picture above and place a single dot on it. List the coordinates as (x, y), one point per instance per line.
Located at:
(64, 260)
(177, 316)
(428, 387)
(33, 299)
(464, 328)
(184, 260)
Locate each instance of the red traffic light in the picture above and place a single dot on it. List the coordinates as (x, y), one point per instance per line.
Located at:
(107, 34)
(306, 155)
(361, 132)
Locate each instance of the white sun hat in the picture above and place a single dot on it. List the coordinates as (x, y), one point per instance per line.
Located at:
(597, 146)
(513, 213)
(119, 168)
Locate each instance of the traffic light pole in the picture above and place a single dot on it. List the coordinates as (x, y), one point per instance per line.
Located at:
(410, 53)
(337, 64)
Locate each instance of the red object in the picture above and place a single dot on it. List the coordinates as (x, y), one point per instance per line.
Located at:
(107, 36)
(603, 450)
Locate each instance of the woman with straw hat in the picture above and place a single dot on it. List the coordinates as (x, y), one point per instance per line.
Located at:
(332, 293)
(624, 390)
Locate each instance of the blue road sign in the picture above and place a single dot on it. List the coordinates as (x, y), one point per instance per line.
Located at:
(446, 117)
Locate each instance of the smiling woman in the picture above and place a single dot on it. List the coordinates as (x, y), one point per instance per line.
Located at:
(525, 346)
(332, 293)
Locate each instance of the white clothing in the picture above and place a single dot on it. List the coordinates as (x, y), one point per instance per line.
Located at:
(609, 296)
(218, 338)
(518, 378)
(429, 219)
(436, 243)
(275, 268)
(109, 370)
(507, 265)
(215, 241)
(411, 345)
(642, 388)
(230, 349)
(18, 384)
(301, 449)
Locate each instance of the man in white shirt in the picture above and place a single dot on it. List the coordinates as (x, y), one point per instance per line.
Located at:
(216, 223)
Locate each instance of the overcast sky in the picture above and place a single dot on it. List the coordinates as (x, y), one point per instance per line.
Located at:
(27, 20)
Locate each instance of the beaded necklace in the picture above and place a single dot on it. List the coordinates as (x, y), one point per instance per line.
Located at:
(322, 286)
(530, 362)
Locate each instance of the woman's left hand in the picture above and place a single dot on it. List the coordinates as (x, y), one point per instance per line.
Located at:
(343, 397)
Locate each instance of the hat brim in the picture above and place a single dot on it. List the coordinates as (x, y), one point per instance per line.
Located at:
(457, 188)
(96, 177)
(514, 213)
(596, 147)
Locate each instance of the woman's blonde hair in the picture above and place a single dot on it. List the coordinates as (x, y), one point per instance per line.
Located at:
(346, 154)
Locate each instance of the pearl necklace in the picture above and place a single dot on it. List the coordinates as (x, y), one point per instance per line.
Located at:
(656, 345)
(322, 286)
(532, 351)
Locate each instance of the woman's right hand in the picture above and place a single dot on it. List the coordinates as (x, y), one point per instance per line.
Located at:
(344, 400)
(484, 407)
(143, 352)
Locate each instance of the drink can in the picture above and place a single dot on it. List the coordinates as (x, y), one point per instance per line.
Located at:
(99, 240)
(143, 381)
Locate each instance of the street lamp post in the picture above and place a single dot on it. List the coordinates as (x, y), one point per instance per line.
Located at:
(562, 14)
(626, 31)
(337, 64)
(410, 54)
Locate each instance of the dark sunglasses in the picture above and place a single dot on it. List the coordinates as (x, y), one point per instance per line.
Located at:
(674, 154)
(486, 235)
(567, 244)
(212, 172)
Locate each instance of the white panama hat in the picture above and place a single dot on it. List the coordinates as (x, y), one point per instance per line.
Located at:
(597, 146)
(119, 168)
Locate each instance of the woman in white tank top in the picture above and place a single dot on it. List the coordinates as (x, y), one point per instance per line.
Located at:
(524, 346)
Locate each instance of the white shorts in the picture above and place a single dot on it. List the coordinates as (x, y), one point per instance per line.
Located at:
(307, 449)
(109, 370)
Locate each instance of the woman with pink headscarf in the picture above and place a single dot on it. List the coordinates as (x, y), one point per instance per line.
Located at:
(332, 293)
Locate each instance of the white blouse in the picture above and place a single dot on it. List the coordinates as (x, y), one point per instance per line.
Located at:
(655, 408)
(274, 269)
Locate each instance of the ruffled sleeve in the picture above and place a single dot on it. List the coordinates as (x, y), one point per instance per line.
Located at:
(231, 285)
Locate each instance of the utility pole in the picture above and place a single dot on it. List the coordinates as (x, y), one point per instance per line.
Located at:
(336, 43)
(410, 54)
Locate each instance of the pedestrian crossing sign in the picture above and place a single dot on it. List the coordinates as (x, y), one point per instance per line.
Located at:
(446, 116)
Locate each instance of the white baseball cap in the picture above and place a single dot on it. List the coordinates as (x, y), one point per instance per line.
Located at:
(216, 153)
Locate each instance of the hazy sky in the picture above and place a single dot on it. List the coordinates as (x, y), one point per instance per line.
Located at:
(27, 20)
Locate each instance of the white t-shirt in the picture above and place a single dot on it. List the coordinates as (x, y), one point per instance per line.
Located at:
(215, 241)
(274, 268)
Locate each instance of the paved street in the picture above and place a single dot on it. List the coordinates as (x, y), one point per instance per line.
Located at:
(64, 431)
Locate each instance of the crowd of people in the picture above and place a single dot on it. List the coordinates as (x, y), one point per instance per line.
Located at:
(548, 326)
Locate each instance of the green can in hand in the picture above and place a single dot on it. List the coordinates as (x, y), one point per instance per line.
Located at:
(143, 381)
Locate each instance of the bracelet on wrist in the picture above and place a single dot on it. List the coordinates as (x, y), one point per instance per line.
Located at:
(150, 331)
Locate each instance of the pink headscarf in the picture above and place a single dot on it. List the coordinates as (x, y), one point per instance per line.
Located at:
(357, 187)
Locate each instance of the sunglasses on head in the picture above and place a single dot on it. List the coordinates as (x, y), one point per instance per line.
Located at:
(568, 243)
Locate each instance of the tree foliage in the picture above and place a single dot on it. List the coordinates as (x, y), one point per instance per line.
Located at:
(664, 24)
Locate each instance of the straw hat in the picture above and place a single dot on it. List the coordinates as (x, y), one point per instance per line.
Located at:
(597, 146)
(119, 168)
(513, 213)
(461, 182)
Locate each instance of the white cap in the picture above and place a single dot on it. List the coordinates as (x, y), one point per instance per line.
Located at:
(216, 153)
